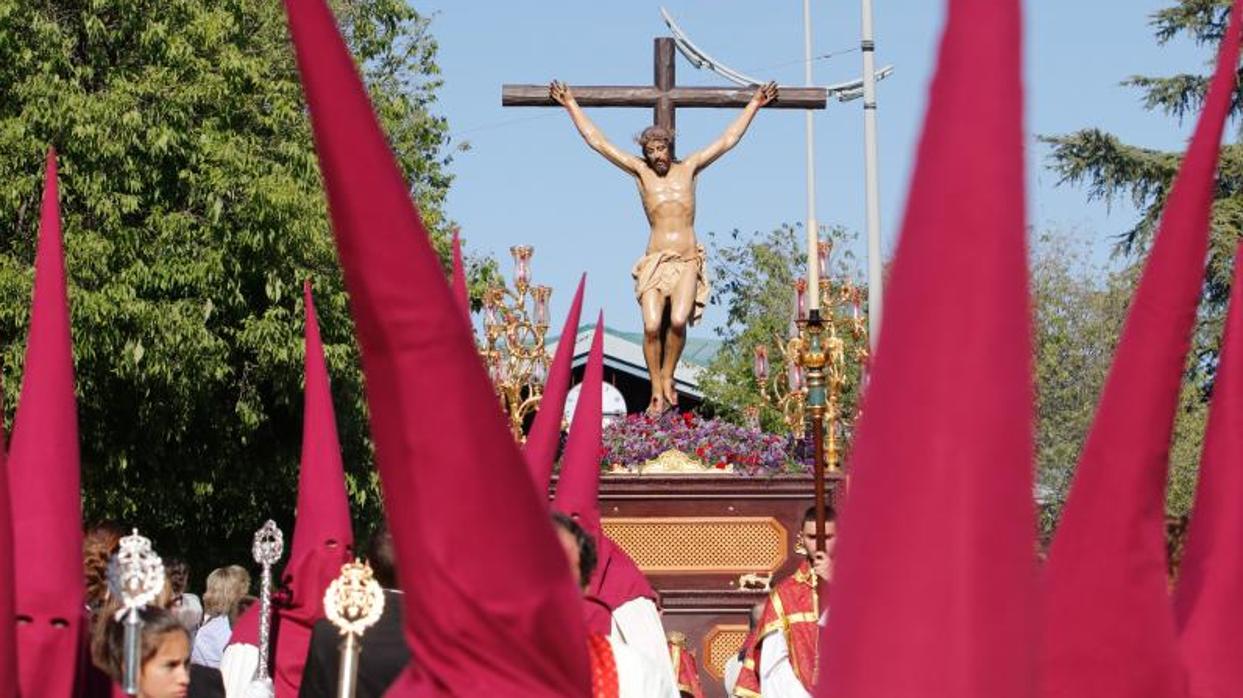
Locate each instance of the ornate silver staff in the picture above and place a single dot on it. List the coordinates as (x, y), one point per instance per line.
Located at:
(267, 550)
(136, 578)
(353, 602)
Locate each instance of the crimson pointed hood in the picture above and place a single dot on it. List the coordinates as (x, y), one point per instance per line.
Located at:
(460, 293)
(8, 615)
(323, 533)
(1207, 602)
(933, 590)
(578, 487)
(1109, 629)
(497, 618)
(43, 457)
(540, 449)
(617, 578)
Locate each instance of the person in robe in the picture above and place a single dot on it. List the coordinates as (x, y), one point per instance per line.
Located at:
(618, 601)
(785, 661)
(685, 667)
(322, 539)
(384, 652)
(617, 671)
(744, 658)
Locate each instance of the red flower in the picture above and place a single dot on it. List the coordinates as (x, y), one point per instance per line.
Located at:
(720, 465)
(701, 451)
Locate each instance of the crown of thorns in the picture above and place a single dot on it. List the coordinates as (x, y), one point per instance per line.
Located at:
(654, 133)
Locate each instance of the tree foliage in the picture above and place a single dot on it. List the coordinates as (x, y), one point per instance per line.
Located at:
(754, 281)
(1080, 307)
(192, 211)
(1111, 169)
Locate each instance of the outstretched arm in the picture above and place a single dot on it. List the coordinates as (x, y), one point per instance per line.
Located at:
(560, 92)
(733, 134)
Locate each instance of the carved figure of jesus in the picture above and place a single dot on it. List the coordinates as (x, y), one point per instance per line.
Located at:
(670, 283)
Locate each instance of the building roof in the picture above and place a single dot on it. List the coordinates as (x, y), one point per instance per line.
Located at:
(623, 351)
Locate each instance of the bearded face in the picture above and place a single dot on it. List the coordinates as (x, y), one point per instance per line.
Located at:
(656, 153)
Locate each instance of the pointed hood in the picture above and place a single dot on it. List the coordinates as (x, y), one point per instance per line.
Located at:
(460, 293)
(540, 449)
(1207, 602)
(449, 469)
(617, 578)
(8, 616)
(933, 589)
(578, 487)
(1109, 629)
(43, 457)
(323, 533)
(323, 515)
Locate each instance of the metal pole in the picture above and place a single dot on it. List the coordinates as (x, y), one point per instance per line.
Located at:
(347, 676)
(875, 266)
(814, 360)
(813, 233)
(133, 653)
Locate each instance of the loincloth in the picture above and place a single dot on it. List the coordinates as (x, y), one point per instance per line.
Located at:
(661, 271)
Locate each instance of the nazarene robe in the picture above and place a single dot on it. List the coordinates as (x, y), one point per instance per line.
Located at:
(618, 671)
(747, 682)
(793, 611)
(686, 670)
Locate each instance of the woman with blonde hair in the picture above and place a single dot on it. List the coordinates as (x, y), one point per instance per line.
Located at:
(222, 604)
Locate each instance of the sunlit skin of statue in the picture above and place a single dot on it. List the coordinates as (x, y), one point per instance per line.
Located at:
(670, 283)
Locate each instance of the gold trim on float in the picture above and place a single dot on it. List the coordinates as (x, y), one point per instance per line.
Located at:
(675, 462)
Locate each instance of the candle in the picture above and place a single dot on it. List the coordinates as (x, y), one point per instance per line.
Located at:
(795, 377)
(522, 268)
(761, 364)
(800, 299)
(813, 263)
(539, 296)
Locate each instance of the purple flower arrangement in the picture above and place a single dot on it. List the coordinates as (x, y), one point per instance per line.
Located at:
(639, 437)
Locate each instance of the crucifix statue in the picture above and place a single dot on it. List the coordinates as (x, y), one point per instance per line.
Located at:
(670, 283)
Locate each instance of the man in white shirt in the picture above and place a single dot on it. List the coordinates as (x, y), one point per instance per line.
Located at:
(637, 676)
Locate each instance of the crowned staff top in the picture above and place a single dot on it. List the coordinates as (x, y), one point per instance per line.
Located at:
(670, 283)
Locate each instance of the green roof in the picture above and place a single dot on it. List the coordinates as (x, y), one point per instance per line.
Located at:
(698, 350)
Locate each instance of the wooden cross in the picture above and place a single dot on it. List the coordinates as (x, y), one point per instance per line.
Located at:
(663, 96)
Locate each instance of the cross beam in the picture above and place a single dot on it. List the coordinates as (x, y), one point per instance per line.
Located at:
(663, 96)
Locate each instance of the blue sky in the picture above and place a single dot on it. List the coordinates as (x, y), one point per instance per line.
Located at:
(528, 177)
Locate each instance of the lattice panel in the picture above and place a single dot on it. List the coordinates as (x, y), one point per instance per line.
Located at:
(721, 643)
(699, 545)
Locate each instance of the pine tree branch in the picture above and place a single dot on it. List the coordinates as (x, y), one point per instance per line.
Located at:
(1109, 168)
(1204, 21)
(1178, 95)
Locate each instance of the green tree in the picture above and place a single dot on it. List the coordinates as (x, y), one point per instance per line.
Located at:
(753, 280)
(1079, 307)
(1112, 170)
(192, 210)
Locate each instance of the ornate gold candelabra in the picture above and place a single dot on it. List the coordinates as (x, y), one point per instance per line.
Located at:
(515, 322)
(817, 362)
